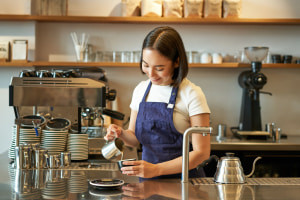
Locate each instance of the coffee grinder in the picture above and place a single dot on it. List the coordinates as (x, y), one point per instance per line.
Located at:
(252, 81)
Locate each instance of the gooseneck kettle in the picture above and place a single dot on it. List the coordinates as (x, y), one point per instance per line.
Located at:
(229, 169)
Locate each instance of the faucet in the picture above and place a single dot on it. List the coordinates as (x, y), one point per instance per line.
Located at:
(186, 146)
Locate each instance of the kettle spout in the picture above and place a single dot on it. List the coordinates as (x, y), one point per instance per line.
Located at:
(253, 167)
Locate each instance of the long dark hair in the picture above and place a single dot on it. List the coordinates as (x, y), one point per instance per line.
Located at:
(168, 42)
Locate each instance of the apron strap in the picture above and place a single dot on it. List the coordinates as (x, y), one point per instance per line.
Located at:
(173, 96)
(147, 91)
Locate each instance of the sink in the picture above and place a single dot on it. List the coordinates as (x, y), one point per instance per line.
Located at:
(251, 181)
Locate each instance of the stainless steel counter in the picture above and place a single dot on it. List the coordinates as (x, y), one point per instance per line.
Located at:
(73, 183)
(291, 143)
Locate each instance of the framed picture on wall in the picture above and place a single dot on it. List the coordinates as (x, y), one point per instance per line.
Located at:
(4, 51)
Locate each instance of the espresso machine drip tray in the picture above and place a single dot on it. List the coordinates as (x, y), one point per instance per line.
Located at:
(253, 133)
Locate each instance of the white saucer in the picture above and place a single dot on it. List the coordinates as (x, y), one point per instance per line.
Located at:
(107, 183)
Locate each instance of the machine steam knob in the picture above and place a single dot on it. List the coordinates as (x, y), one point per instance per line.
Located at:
(111, 95)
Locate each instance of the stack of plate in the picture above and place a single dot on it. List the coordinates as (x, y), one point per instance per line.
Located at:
(78, 146)
(27, 135)
(77, 183)
(34, 194)
(54, 141)
(55, 190)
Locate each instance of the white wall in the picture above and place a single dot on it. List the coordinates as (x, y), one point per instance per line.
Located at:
(10, 31)
(220, 85)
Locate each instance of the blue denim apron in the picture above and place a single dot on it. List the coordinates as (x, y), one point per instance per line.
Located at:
(156, 132)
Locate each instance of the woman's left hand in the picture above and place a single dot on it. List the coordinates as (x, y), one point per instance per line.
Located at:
(140, 168)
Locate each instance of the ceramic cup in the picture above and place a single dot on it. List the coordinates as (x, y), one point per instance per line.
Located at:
(217, 58)
(120, 162)
(205, 58)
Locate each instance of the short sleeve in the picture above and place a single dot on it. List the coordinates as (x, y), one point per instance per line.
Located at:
(194, 98)
(137, 95)
(197, 102)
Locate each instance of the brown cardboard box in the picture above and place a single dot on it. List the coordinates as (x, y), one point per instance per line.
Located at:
(49, 7)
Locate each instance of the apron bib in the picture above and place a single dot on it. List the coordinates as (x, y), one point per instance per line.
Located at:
(157, 134)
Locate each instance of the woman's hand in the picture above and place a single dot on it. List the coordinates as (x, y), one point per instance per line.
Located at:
(136, 191)
(140, 168)
(113, 131)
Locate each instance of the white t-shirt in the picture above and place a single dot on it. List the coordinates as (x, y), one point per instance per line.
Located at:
(190, 101)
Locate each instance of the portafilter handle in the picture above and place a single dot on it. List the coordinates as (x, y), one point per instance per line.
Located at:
(113, 114)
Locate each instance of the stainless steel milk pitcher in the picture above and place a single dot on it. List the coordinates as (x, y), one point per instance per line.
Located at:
(19, 157)
(40, 158)
(112, 149)
(23, 158)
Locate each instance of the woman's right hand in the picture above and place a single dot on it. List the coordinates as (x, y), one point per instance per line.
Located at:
(112, 132)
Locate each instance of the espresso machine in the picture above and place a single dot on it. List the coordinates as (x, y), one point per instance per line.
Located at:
(252, 81)
(62, 93)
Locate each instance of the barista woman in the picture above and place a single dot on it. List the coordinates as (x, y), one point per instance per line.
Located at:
(162, 108)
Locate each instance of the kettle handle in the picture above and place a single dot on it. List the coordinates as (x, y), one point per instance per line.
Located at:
(205, 162)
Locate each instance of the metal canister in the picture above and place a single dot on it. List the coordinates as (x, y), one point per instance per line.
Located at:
(221, 132)
(19, 157)
(27, 153)
(65, 158)
(40, 158)
(54, 161)
(270, 128)
(277, 134)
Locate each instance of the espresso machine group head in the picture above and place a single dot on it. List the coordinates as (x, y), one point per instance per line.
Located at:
(252, 81)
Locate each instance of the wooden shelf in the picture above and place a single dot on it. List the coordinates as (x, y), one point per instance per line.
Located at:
(149, 20)
(44, 64)
(16, 64)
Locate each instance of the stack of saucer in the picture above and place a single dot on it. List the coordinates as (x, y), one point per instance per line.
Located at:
(54, 141)
(27, 135)
(78, 146)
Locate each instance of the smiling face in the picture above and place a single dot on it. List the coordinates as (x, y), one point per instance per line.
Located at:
(157, 67)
